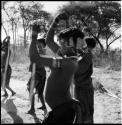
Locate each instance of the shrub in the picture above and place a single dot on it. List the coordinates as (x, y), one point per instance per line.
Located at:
(111, 59)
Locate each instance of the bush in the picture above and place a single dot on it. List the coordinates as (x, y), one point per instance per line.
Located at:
(111, 59)
(19, 54)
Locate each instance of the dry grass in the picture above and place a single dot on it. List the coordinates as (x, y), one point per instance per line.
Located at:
(111, 60)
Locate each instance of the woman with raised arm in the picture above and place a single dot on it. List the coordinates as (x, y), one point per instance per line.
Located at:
(57, 93)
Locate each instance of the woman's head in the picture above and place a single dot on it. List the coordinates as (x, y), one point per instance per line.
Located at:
(41, 44)
(35, 30)
(72, 38)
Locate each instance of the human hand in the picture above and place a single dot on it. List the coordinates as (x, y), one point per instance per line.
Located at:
(73, 58)
(77, 58)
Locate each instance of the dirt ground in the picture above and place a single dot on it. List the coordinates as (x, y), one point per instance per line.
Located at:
(107, 108)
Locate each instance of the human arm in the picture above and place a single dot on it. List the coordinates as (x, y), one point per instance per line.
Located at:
(84, 69)
(85, 62)
(50, 35)
(3, 59)
(49, 61)
(42, 60)
(7, 38)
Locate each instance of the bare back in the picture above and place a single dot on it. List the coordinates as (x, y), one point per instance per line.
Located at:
(58, 84)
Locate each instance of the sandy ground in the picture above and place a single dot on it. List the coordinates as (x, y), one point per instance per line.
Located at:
(107, 108)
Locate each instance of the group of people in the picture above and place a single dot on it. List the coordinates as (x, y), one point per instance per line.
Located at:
(73, 64)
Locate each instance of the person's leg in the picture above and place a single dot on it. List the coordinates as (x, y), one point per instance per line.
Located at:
(91, 104)
(9, 70)
(42, 101)
(81, 96)
(43, 107)
(32, 109)
(40, 90)
(28, 85)
(9, 88)
(5, 93)
(85, 96)
(32, 103)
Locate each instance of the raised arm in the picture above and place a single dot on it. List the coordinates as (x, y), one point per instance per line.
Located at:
(50, 35)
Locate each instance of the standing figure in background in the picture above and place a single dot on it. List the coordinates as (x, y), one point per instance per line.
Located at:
(83, 82)
(40, 77)
(4, 55)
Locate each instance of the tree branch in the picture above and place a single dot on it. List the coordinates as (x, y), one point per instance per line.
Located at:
(114, 40)
(5, 30)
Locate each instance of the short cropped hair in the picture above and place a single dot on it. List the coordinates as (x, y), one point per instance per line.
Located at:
(91, 42)
(71, 32)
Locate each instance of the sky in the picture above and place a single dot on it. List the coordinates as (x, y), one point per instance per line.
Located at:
(49, 6)
(52, 6)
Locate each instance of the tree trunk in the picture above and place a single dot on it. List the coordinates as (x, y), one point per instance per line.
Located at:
(25, 41)
(106, 52)
(101, 46)
(13, 42)
(5, 30)
(107, 47)
(15, 36)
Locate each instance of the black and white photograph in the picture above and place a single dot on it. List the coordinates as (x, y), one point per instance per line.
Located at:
(61, 62)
